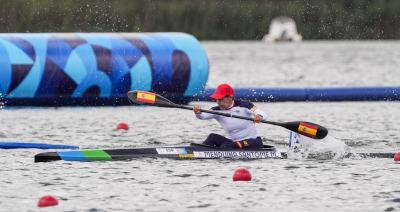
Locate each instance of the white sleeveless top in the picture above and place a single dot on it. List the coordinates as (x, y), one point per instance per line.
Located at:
(237, 129)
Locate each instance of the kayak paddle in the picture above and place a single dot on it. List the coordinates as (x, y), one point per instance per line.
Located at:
(308, 129)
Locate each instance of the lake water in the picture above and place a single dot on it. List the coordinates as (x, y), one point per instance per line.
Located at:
(206, 185)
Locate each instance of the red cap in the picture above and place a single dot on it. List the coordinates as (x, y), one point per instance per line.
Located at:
(222, 91)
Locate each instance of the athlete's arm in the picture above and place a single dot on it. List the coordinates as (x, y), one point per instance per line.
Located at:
(200, 115)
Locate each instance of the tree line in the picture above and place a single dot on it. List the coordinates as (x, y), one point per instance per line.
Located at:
(206, 19)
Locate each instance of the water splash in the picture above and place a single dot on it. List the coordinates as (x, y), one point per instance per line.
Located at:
(2, 101)
(300, 148)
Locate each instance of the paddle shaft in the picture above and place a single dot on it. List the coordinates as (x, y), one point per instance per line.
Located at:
(227, 115)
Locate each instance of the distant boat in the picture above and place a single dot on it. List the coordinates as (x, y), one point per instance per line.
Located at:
(282, 29)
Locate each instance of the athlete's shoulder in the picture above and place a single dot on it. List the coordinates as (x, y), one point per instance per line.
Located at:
(240, 103)
(215, 108)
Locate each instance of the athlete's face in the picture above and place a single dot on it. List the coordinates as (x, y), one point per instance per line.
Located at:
(225, 103)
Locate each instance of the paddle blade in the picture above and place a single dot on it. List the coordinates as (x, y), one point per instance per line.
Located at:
(307, 129)
(144, 97)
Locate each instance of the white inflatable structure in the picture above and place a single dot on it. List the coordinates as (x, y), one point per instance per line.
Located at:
(282, 29)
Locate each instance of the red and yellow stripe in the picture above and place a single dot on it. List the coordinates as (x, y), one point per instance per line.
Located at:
(307, 129)
(146, 97)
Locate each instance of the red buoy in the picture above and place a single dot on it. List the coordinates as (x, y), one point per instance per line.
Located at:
(47, 201)
(241, 174)
(122, 126)
(396, 157)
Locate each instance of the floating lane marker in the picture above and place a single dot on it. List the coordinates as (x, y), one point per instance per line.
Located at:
(28, 145)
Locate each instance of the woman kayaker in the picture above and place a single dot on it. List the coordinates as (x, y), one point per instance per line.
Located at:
(241, 133)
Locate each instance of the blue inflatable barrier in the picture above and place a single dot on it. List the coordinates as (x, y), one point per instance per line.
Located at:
(98, 68)
(311, 94)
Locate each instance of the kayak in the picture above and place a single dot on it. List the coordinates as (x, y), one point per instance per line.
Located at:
(194, 151)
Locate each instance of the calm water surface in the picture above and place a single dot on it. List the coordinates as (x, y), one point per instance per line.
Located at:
(206, 185)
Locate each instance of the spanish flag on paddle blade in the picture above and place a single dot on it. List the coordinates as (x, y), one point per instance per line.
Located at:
(146, 97)
(307, 129)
